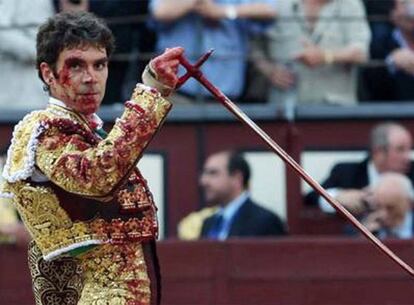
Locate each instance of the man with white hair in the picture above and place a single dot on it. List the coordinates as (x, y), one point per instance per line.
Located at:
(351, 182)
(393, 196)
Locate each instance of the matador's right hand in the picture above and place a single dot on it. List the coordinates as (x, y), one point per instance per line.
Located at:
(161, 72)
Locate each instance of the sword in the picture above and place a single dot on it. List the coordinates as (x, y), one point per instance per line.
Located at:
(195, 72)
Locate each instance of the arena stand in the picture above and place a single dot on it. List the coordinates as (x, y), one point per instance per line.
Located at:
(314, 265)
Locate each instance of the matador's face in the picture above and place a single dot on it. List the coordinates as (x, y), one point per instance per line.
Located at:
(79, 79)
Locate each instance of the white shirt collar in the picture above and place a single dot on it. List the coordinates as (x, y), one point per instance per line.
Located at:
(231, 208)
(228, 213)
(373, 174)
(57, 102)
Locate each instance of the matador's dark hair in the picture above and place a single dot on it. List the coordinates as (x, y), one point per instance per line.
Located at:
(71, 30)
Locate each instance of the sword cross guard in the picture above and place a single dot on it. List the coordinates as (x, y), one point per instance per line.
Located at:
(192, 70)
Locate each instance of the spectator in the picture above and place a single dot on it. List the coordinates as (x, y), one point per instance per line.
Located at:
(378, 13)
(394, 81)
(225, 181)
(392, 216)
(350, 183)
(199, 25)
(313, 51)
(20, 86)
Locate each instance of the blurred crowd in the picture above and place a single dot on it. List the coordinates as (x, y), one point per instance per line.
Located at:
(286, 52)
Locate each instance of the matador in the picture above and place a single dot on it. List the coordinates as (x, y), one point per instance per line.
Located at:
(87, 207)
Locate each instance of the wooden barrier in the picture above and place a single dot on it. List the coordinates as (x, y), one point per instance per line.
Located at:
(192, 133)
(289, 271)
(185, 146)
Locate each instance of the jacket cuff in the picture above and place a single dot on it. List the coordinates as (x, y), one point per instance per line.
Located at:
(149, 77)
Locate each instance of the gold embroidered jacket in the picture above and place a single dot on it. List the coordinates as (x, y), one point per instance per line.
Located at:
(74, 189)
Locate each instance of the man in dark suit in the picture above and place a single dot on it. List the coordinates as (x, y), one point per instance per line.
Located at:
(349, 183)
(395, 80)
(225, 180)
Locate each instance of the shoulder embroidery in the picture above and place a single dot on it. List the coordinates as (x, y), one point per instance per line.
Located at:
(21, 153)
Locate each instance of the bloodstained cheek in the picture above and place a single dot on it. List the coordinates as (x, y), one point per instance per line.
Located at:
(65, 83)
(64, 77)
(69, 87)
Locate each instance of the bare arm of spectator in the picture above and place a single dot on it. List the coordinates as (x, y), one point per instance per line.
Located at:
(257, 10)
(357, 37)
(349, 55)
(354, 200)
(314, 56)
(170, 10)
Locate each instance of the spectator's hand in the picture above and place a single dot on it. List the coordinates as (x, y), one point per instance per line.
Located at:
(165, 66)
(312, 56)
(281, 77)
(404, 60)
(210, 10)
(375, 220)
(353, 200)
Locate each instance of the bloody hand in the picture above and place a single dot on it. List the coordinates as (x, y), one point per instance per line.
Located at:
(165, 66)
